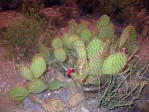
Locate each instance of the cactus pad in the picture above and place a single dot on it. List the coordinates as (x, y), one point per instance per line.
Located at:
(43, 49)
(95, 46)
(57, 43)
(54, 85)
(128, 35)
(81, 69)
(81, 52)
(103, 20)
(71, 40)
(18, 93)
(86, 35)
(78, 43)
(107, 32)
(68, 84)
(26, 73)
(95, 65)
(37, 86)
(114, 63)
(60, 54)
(65, 38)
(38, 67)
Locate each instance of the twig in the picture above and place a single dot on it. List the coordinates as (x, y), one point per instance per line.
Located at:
(130, 92)
(7, 73)
(14, 66)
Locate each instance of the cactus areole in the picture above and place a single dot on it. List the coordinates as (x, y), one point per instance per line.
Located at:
(69, 72)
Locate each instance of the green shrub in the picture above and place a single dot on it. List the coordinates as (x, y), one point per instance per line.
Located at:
(23, 34)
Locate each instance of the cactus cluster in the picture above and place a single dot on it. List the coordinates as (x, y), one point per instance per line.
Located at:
(37, 84)
(33, 74)
(94, 56)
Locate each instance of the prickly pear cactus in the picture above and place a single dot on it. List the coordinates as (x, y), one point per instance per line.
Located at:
(86, 35)
(57, 43)
(78, 43)
(81, 70)
(106, 32)
(54, 85)
(26, 73)
(71, 40)
(43, 49)
(60, 54)
(95, 65)
(103, 21)
(114, 63)
(81, 52)
(38, 67)
(105, 28)
(65, 38)
(95, 46)
(18, 93)
(128, 36)
(74, 27)
(37, 86)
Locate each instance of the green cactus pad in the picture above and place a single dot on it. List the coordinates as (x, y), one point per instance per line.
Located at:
(18, 93)
(128, 35)
(60, 54)
(74, 27)
(26, 73)
(65, 38)
(91, 80)
(57, 43)
(47, 58)
(86, 35)
(78, 43)
(107, 32)
(71, 40)
(39, 55)
(37, 86)
(81, 69)
(95, 46)
(81, 52)
(69, 84)
(95, 65)
(103, 20)
(43, 49)
(75, 76)
(82, 26)
(114, 63)
(78, 77)
(55, 85)
(38, 67)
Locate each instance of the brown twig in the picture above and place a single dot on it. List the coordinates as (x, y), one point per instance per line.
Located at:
(13, 62)
(7, 73)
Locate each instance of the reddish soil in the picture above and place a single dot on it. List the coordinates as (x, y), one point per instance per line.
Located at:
(9, 75)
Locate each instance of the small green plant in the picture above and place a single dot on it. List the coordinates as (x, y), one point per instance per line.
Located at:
(117, 9)
(23, 34)
(31, 9)
(33, 75)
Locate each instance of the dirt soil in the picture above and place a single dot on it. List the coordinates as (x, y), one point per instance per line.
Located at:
(9, 75)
